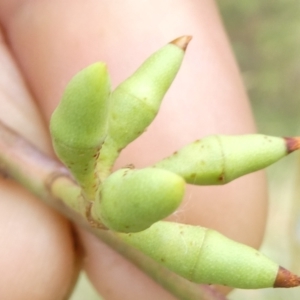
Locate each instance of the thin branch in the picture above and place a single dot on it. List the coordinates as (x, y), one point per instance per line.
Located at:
(51, 182)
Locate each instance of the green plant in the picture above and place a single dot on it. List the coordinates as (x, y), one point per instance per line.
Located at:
(89, 129)
(130, 200)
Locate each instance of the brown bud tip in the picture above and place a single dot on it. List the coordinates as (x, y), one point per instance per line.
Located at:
(292, 144)
(182, 42)
(286, 279)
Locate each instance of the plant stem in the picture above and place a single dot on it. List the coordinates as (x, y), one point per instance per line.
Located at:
(50, 181)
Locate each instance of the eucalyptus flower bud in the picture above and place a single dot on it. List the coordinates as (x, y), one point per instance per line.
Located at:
(79, 124)
(136, 101)
(203, 255)
(132, 200)
(219, 159)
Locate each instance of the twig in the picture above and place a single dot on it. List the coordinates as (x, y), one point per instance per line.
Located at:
(50, 181)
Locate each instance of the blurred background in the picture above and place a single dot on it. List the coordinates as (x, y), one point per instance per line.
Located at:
(265, 36)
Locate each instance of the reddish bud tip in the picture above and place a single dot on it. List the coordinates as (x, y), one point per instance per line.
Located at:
(182, 42)
(286, 279)
(292, 143)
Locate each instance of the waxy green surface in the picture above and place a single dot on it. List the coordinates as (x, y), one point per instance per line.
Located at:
(219, 159)
(204, 256)
(79, 124)
(132, 200)
(136, 102)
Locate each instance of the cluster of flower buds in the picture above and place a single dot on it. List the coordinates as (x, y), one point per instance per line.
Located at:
(92, 125)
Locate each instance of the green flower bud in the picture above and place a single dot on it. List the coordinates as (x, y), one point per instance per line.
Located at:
(205, 256)
(136, 101)
(79, 124)
(132, 200)
(220, 159)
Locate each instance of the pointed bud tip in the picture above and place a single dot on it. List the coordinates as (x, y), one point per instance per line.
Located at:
(182, 42)
(286, 279)
(292, 144)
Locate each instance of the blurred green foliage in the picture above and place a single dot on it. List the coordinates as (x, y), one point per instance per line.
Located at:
(265, 36)
(84, 289)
